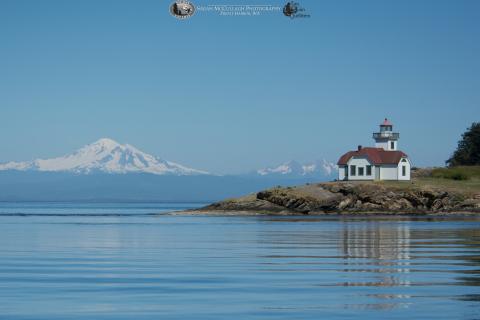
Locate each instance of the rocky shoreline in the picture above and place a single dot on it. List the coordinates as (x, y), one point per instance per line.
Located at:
(349, 198)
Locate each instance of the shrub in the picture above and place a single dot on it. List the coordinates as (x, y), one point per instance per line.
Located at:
(468, 150)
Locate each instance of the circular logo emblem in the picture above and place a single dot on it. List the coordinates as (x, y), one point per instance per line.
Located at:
(290, 9)
(181, 9)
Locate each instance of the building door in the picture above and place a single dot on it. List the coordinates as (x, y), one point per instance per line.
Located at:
(377, 173)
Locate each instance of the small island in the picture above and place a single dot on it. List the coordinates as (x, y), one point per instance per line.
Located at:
(454, 189)
(431, 191)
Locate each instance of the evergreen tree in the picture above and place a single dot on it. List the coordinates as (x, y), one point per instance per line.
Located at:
(468, 150)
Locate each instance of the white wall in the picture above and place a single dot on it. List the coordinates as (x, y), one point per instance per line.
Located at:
(408, 167)
(341, 172)
(386, 144)
(381, 144)
(360, 162)
(389, 172)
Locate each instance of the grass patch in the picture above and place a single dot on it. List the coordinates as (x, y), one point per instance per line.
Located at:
(462, 173)
(466, 187)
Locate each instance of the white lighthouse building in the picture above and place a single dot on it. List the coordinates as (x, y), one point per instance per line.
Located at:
(386, 138)
(382, 162)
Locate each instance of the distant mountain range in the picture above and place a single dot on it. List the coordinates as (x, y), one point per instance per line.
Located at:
(109, 156)
(109, 171)
(320, 168)
(106, 156)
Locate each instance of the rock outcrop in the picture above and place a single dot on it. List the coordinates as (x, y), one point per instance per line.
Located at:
(351, 198)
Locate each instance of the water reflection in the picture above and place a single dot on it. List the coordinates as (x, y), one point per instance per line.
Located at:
(437, 257)
(382, 251)
(386, 247)
(375, 240)
(389, 264)
(176, 267)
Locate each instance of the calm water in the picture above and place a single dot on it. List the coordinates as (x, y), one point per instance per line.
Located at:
(121, 261)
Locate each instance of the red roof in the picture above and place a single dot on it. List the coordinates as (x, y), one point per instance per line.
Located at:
(386, 122)
(376, 155)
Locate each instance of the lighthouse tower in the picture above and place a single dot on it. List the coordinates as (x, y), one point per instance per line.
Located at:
(386, 138)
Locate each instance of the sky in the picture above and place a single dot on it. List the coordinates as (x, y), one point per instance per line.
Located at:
(232, 94)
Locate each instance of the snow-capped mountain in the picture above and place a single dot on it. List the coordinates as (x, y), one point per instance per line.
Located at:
(108, 156)
(296, 169)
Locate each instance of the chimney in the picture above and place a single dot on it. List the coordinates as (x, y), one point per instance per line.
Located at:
(359, 147)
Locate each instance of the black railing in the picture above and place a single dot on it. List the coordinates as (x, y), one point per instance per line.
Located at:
(386, 135)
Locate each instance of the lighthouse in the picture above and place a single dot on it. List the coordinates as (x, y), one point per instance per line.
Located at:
(386, 138)
(382, 162)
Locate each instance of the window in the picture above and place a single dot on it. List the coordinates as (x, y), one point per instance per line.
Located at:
(392, 145)
(360, 171)
(353, 170)
(369, 170)
(404, 171)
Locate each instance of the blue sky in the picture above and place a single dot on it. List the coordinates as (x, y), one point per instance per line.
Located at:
(230, 94)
